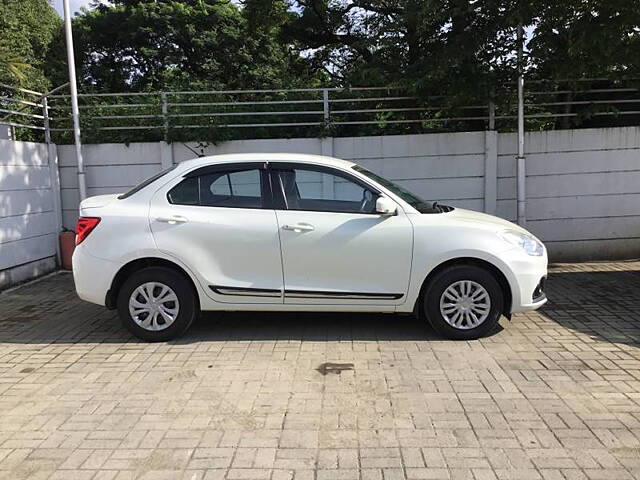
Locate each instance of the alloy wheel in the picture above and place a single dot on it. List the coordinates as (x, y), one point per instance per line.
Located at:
(154, 306)
(465, 304)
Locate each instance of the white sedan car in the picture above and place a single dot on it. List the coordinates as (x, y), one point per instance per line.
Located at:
(288, 232)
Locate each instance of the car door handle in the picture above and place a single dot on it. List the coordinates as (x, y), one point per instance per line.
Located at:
(173, 220)
(299, 227)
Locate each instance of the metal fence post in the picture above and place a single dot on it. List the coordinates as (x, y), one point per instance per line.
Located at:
(165, 115)
(492, 115)
(490, 171)
(45, 121)
(521, 174)
(325, 104)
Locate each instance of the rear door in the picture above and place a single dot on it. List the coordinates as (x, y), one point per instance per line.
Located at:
(219, 221)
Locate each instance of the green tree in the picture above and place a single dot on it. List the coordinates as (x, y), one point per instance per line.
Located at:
(586, 38)
(27, 28)
(138, 45)
(463, 47)
(456, 48)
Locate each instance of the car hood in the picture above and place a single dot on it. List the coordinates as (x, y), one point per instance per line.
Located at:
(475, 219)
(99, 200)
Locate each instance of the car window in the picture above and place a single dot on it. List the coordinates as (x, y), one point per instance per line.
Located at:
(245, 184)
(318, 190)
(416, 202)
(234, 189)
(185, 193)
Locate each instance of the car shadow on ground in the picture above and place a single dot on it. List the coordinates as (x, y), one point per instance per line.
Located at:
(48, 311)
(605, 305)
(309, 327)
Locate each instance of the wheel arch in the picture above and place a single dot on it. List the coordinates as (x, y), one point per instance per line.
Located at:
(485, 264)
(138, 264)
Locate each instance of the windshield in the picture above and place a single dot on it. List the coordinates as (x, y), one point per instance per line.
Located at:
(148, 181)
(416, 202)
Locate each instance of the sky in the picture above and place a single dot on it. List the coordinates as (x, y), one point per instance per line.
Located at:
(73, 4)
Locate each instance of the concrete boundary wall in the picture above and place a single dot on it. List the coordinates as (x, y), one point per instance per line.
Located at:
(583, 186)
(583, 190)
(109, 167)
(29, 210)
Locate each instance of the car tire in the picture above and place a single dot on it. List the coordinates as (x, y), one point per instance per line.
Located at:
(463, 302)
(169, 299)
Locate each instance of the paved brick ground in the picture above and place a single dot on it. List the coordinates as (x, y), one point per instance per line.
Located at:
(554, 395)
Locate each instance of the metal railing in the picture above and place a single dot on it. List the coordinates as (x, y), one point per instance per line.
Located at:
(227, 114)
(18, 107)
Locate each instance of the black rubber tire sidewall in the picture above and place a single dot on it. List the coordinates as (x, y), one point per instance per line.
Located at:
(442, 280)
(183, 290)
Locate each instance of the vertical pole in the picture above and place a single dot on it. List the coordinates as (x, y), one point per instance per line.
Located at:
(54, 175)
(325, 104)
(492, 115)
(490, 171)
(75, 112)
(326, 145)
(521, 167)
(45, 115)
(165, 115)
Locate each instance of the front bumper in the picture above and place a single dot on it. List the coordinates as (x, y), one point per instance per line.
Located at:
(528, 280)
(538, 299)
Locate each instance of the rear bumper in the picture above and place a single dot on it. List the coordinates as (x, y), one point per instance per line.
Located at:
(92, 276)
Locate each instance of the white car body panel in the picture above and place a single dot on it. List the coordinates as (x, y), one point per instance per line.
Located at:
(345, 252)
(453, 230)
(226, 247)
(368, 254)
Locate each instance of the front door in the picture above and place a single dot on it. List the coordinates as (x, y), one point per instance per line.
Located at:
(219, 222)
(335, 249)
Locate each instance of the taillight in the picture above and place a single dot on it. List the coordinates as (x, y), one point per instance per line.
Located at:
(84, 227)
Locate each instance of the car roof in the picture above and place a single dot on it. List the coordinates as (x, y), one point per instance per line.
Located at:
(266, 157)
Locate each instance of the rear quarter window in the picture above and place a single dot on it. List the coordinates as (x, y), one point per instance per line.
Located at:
(186, 192)
(232, 189)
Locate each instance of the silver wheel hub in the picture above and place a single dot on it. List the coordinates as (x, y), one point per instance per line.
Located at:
(465, 304)
(154, 306)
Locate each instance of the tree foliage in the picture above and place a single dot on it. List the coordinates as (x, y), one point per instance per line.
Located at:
(27, 28)
(466, 47)
(138, 45)
(461, 50)
(453, 47)
(586, 38)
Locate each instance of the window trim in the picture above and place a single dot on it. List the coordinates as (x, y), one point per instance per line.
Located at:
(144, 184)
(279, 198)
(265, 183)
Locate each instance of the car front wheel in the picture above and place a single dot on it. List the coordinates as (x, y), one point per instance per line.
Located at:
(157, 304)
(463, 302)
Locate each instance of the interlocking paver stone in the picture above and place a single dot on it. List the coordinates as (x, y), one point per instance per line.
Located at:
(555, 394)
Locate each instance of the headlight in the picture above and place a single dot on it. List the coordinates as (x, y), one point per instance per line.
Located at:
(528, 243)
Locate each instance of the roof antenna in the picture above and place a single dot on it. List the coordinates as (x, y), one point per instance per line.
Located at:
(199, 155)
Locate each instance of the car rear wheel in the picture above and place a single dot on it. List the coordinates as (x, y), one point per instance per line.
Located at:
(463, 302)
(157, 304)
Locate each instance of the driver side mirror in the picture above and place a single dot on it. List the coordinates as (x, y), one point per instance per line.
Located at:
(386, 206)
